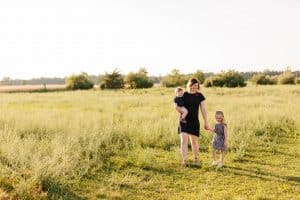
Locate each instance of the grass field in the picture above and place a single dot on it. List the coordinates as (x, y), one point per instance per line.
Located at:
(124, 145)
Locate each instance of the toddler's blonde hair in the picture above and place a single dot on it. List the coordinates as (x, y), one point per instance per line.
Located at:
(219, 112)
(178, 89)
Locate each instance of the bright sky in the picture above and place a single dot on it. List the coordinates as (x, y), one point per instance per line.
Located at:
(61, 37)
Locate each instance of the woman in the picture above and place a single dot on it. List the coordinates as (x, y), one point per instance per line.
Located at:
(191, 129)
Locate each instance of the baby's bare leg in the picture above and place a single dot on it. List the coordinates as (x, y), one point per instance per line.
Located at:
(184, 112)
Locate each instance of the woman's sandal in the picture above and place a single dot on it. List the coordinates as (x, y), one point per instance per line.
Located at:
(196, 161)
(184, 164)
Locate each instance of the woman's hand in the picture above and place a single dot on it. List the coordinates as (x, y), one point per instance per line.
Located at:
(206, 126)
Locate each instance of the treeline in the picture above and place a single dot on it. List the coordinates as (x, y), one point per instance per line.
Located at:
(35, 81)
(141, 79)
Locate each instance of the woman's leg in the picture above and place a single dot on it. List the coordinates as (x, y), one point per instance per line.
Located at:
(214, 163)
(184, 146)
(195, 146)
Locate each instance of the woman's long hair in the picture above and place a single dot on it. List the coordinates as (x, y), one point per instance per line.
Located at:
(191, 82)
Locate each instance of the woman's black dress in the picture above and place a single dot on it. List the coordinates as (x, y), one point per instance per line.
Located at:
(191, 102)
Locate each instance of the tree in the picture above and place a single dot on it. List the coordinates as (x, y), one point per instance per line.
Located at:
(139, 79)
(175, 78)
(79, 82)
(233, 78)
(215, 80)
(113, 80)
(262, 79)
(287, 77)
(230, 78)
(199, 75)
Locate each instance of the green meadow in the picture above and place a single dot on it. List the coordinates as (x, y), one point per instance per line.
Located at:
(123, 144)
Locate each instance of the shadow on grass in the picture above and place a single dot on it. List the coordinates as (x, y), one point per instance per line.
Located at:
(244, 160)
(295, 180)
(265, 151)
(105, 196)
(252, 154)
(56, 190)
(159, 170)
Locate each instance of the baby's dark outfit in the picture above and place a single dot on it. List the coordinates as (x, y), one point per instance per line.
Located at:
(179, 101)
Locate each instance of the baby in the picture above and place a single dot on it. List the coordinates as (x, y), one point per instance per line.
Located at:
(179, 104)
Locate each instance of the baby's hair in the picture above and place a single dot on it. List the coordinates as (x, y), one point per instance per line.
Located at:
(178, 89)
(218, 112)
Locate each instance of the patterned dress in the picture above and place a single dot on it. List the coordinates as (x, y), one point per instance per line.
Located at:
(219, 137)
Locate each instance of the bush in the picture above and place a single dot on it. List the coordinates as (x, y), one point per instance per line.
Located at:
(139, 79)
(112, 80)
(199, 75)
(298, 80)
(287, 77)
(216, 81)
(230, 78)
(79, 82)
(233, 79)
(262, 79)
(208, 82)
(175, 78)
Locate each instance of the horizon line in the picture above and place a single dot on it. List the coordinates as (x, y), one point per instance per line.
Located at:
(149, 74)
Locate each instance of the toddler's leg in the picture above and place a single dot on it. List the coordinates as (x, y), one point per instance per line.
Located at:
(214, 163)
(214, 155)
(222, 155)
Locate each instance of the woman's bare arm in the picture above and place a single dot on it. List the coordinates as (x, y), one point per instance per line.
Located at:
(204, 115)
(226, 135)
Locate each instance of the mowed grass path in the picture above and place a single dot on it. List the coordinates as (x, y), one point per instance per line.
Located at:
(259, 175)
(124, 145)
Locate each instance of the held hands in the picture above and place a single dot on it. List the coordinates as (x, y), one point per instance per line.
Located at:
(206, 126)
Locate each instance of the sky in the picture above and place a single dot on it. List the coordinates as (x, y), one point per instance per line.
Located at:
(57, 38)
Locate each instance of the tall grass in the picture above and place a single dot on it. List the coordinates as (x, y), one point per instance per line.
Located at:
(49, 139)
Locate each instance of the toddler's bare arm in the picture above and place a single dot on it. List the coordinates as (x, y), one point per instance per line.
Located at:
(226, 136)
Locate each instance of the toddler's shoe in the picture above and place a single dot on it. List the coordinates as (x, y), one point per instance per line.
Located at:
(214, 163)
(220, 165)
